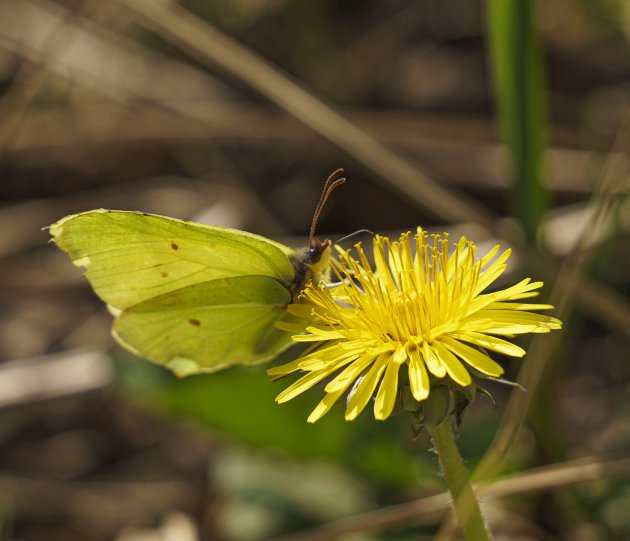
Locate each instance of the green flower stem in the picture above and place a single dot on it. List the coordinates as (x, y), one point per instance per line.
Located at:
(457, 478)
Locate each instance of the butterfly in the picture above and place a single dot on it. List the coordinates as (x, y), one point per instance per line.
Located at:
(189, 296)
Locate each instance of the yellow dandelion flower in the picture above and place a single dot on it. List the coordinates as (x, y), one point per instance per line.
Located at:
(422, 309)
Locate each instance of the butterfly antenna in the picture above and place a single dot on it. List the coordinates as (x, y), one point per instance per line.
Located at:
(354, 234)
(333, 181)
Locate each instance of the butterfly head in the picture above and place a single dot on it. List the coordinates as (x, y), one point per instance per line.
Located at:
(318, 258)
(313, 264)
(316, 249)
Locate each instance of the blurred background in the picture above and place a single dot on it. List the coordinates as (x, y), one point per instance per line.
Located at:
(506, 121)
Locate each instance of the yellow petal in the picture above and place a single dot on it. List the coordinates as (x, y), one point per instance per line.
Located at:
(318, 333)
(285, 369)
(365, 389)
(400, 355)
(473, 357)
(494, 270)
(387, 392)
(320, 360)
(432, 361)
(455, 369)
(344, 379)
(490, 342)
(520, 306)
(492, 253)
(290, 327)
(301, 385)
(510, 322)
(418, 377)
(524, 287)
(300, 310)
(324, 406)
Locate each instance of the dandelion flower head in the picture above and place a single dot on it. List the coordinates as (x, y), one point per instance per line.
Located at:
(422, 310)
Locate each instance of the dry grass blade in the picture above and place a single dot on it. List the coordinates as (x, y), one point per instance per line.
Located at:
(68, 45)
(210, 46)
(569, 279)
(536, 480)
(31, 77)
(92, 41)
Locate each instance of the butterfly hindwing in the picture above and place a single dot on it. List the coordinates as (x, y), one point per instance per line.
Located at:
(208, 326)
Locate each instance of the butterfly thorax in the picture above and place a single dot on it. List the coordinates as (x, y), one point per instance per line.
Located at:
(312, 264)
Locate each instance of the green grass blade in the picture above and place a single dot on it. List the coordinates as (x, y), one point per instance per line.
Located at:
(516, 60)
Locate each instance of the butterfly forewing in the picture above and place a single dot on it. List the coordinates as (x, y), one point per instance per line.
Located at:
(131, 257)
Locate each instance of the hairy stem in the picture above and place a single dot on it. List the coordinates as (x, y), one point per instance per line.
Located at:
(457, 478)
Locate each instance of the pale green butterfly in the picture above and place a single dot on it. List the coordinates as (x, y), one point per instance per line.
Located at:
(193, 297)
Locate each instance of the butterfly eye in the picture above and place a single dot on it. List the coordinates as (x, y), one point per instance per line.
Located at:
(316, 249)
